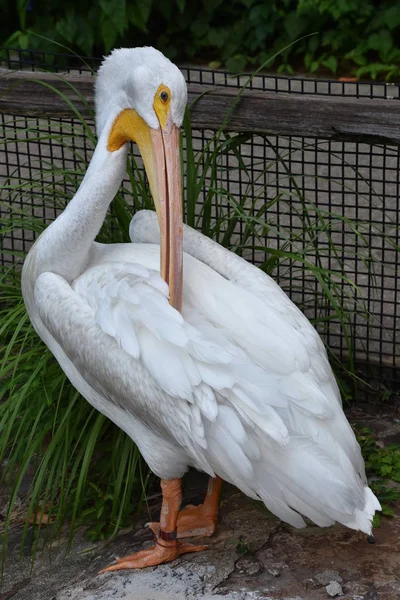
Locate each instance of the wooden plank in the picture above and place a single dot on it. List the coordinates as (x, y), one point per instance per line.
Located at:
(326, 117)
(35, 94)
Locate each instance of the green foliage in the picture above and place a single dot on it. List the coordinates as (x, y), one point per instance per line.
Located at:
(241, 547)
(383, 468)
(353, 37)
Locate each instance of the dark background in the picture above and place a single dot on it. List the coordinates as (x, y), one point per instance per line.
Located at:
(358, 38)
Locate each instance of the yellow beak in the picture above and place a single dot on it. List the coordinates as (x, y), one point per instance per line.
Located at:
(161, 157)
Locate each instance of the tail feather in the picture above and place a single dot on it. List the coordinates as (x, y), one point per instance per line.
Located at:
(322, 520)
(281, 509)
(363, 518)
(300, 478)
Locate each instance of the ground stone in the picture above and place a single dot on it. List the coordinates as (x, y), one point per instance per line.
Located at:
(248, 566)
(334, 589)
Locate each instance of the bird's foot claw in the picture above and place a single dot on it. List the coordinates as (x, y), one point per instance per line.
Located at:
(192, 522)
(161, 552)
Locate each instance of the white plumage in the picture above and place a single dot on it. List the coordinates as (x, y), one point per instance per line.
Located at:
(237, 385)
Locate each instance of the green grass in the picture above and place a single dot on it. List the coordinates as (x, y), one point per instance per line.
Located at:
(86, 471)
(382, 466)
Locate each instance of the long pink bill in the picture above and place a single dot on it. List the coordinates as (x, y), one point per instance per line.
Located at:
(167, 155)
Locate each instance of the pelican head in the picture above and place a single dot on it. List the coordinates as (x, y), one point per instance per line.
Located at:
(141, 96)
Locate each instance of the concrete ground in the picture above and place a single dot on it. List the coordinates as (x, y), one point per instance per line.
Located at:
(252, 556)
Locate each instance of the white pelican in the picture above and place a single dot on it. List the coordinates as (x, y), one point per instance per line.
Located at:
(238, 385)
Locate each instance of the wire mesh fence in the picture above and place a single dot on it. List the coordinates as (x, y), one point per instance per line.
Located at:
(299, 207)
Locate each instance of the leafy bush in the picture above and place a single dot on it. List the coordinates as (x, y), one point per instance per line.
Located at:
(353, 37)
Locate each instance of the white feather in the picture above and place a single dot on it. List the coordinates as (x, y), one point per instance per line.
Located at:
(164, 365)
(206, 401)
(229, 421)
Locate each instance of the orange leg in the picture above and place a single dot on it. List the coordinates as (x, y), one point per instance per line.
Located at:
(199, 521)
(167, 547)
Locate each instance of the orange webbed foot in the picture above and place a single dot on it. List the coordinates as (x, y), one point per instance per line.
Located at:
(193, 521)
(156, 555)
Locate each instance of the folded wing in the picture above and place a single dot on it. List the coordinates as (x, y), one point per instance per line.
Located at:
(313, 463)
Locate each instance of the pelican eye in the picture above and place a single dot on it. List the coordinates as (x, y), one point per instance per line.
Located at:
(164, 96)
